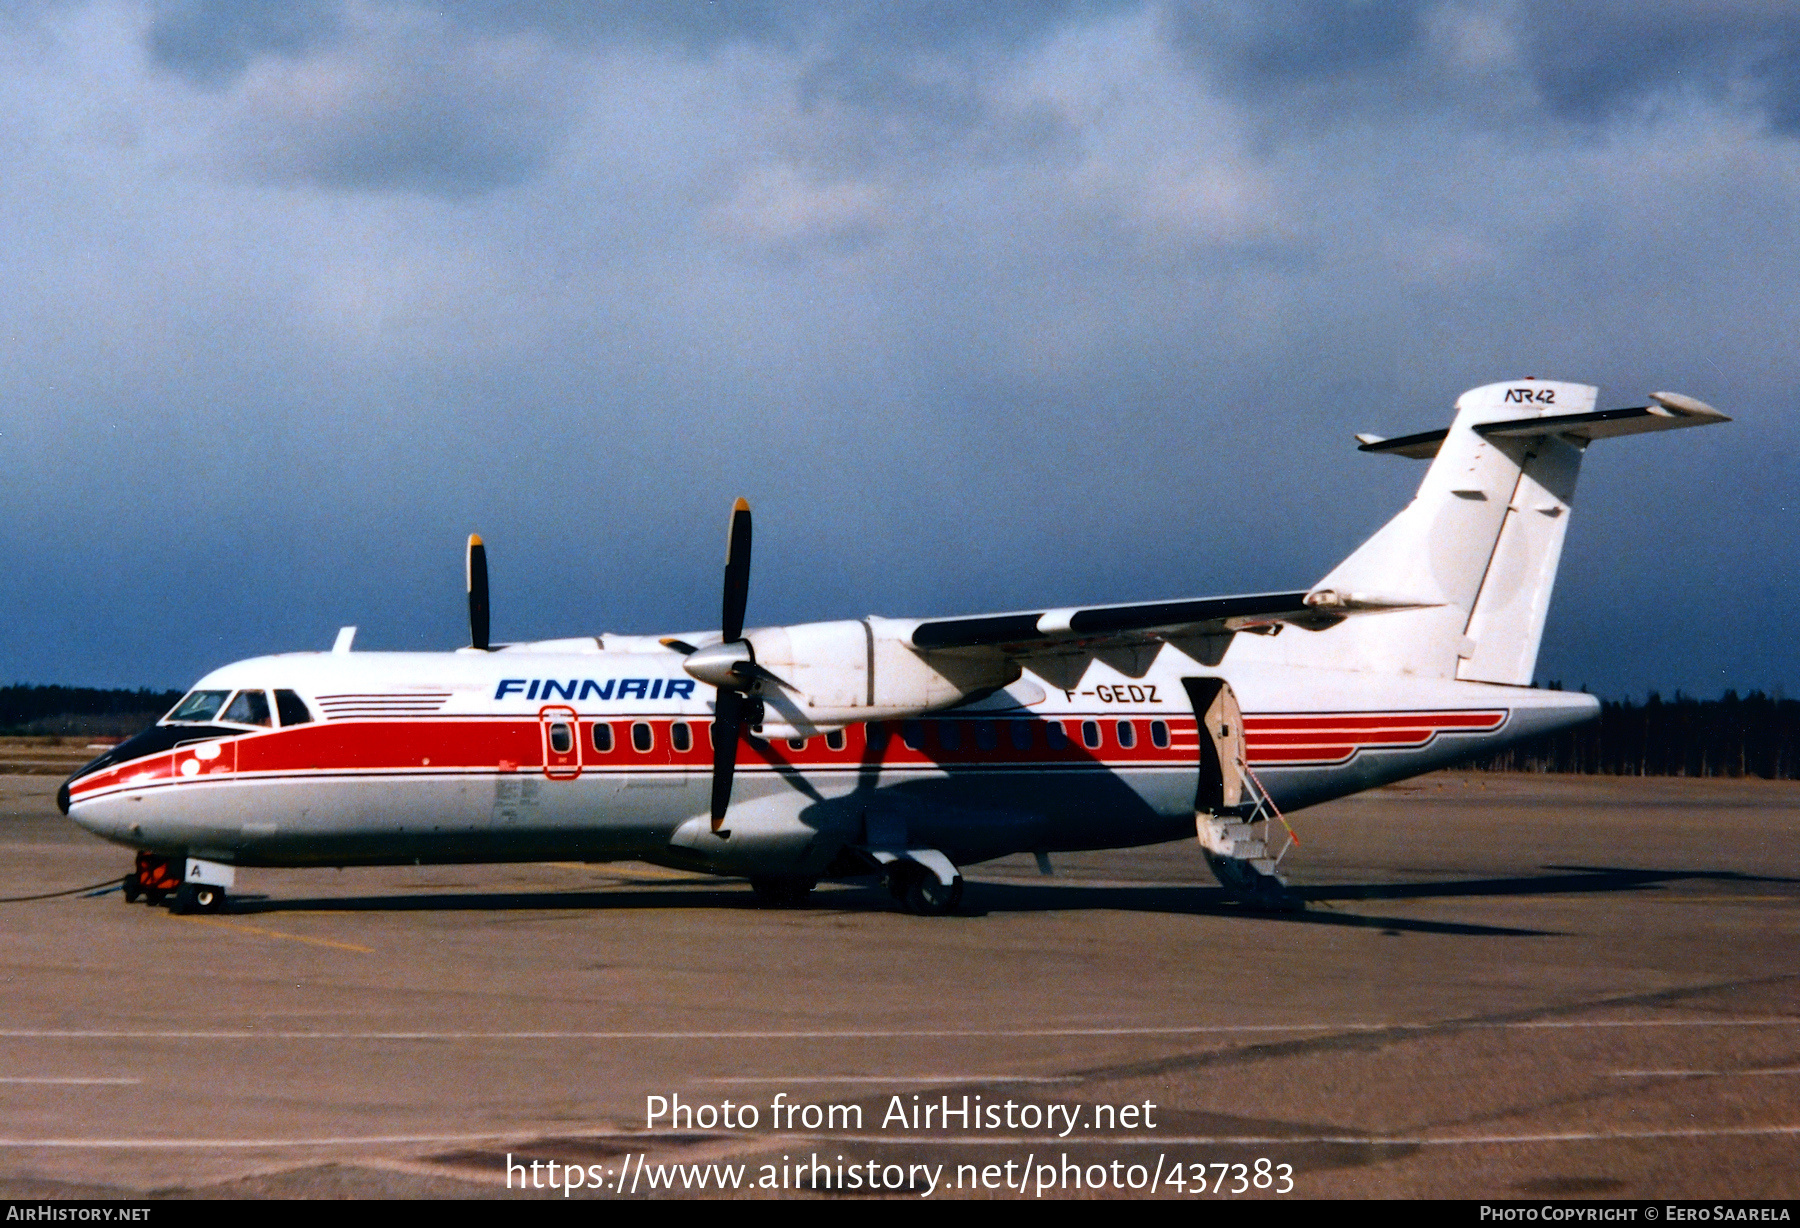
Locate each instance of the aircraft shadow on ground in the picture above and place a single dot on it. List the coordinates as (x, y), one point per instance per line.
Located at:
(986, 898)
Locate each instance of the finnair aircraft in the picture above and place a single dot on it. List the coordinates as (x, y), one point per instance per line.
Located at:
(898, 747)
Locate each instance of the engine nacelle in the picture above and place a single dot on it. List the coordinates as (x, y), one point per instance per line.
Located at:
(838, 673)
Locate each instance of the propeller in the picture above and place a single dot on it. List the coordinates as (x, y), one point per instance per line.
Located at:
(729, 666)
(476, 570)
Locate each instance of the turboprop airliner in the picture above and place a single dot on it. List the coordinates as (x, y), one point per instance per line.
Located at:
(905, 748)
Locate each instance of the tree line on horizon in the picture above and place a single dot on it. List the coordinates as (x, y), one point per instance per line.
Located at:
(75, 710)
(1735, 735)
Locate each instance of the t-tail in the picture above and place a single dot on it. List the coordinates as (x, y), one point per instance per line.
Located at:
(1477, 548)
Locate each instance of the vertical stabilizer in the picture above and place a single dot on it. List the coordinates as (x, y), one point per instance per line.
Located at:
(1479, 542)
(1477, 548)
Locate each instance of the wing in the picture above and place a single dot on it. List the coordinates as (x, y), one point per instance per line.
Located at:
(1028, 631)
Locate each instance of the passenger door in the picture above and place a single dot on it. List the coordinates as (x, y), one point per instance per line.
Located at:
(561, 734)
(1222, 763)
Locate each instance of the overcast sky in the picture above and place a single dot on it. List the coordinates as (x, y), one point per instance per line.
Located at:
(981, 306)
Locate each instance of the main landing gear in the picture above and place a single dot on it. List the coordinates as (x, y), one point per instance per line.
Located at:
(155, 879)
(920, 892)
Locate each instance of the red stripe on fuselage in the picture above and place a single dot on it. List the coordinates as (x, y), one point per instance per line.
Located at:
(1319, 739)
(496, 744)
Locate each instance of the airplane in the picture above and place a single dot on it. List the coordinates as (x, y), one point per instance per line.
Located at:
(903, 748)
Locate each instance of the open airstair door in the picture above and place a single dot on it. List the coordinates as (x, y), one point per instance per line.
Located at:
(1231, 812)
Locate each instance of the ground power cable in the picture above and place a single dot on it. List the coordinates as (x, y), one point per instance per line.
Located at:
(103, 887)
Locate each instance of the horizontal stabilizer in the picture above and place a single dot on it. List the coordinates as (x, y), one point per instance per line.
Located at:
(1422, 446)
(1667, 411)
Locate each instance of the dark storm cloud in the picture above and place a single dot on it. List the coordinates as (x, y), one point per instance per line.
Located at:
(1594, 62)
(441, 125)
(874, 27)
(211, 41)
(418, 103)
(1275, 45)
(982, 307)
(1585, 63)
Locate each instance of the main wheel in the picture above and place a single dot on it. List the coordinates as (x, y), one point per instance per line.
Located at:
(781, 891)
(924, 896)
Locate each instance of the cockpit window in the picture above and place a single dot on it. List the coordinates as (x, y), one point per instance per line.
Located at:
(292, 708)
(249, 708)
(198, 706)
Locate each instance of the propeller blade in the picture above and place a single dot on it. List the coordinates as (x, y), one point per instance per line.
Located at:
(728, 719)
(737, 572)
(476, 571)
(681, 646)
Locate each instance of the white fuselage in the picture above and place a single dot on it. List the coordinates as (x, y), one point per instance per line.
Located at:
(605, 754)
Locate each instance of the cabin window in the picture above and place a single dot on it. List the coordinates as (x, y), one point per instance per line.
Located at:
(562, 738)
(835, 739)
(986, 736)
(249, 708)
(603, 740)
(1055, 736)
(292, 709)
(1090, 734)
(913, 734)
(949, 735)
(642, 738)
(1021, 734)
(797, 743)
(1159, 734)
(681, 737)
(1127, 734)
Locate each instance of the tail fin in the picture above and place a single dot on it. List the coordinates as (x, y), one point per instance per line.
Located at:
(1481, 540)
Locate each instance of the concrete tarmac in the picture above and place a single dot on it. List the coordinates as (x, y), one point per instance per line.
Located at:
(1503, 987)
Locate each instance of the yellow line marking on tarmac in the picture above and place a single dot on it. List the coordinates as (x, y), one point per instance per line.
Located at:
(258, 930)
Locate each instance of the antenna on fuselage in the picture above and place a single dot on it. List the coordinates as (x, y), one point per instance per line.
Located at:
(475, 569)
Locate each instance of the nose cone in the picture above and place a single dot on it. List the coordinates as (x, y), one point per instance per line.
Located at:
(62, 796)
